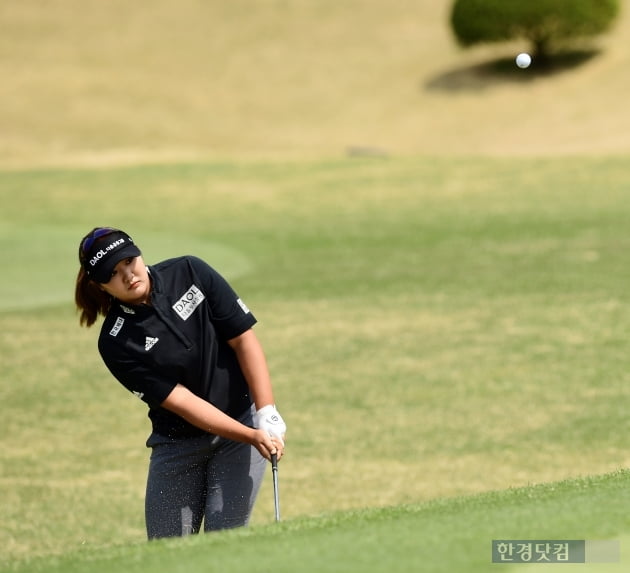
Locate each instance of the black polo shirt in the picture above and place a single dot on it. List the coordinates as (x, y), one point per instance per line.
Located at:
(180, 338)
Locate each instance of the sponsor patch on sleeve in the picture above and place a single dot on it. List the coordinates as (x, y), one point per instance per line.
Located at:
(117, 326)
(243, 306)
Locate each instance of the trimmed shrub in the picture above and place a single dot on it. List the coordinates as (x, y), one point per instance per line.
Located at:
(544, 23)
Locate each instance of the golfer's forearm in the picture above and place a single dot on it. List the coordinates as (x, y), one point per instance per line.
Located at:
(205, 416)
(253, 363)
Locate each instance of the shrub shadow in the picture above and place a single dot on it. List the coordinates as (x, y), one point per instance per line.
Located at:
(504, 70)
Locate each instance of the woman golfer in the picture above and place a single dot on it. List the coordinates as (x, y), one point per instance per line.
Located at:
(177, 336)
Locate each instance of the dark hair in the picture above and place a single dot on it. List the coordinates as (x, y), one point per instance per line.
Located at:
(90, 298)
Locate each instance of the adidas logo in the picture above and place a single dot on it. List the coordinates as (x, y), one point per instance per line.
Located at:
(150, 343)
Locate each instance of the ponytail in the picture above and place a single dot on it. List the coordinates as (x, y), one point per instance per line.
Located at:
(90, 299)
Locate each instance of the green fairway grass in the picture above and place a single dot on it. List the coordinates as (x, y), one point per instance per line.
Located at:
(434, 328)
(440, 536)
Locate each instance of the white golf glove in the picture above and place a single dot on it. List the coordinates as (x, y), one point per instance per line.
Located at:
(268, 419)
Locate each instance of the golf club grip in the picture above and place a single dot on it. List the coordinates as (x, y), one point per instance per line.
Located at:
(274, 462)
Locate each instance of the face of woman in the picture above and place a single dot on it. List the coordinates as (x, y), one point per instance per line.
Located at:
(130, 281)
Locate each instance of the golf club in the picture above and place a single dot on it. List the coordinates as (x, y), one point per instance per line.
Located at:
(276, 497)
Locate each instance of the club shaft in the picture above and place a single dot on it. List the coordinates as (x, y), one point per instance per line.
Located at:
(276, 493)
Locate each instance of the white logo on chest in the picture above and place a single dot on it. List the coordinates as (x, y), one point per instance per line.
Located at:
(150, 342)
(186, 305)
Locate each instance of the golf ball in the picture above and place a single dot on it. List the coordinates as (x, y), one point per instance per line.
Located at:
(523, 60)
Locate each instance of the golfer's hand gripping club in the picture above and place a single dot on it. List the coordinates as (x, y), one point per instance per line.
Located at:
(270, 420)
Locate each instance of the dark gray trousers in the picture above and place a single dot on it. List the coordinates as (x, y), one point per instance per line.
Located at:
(206, 478)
